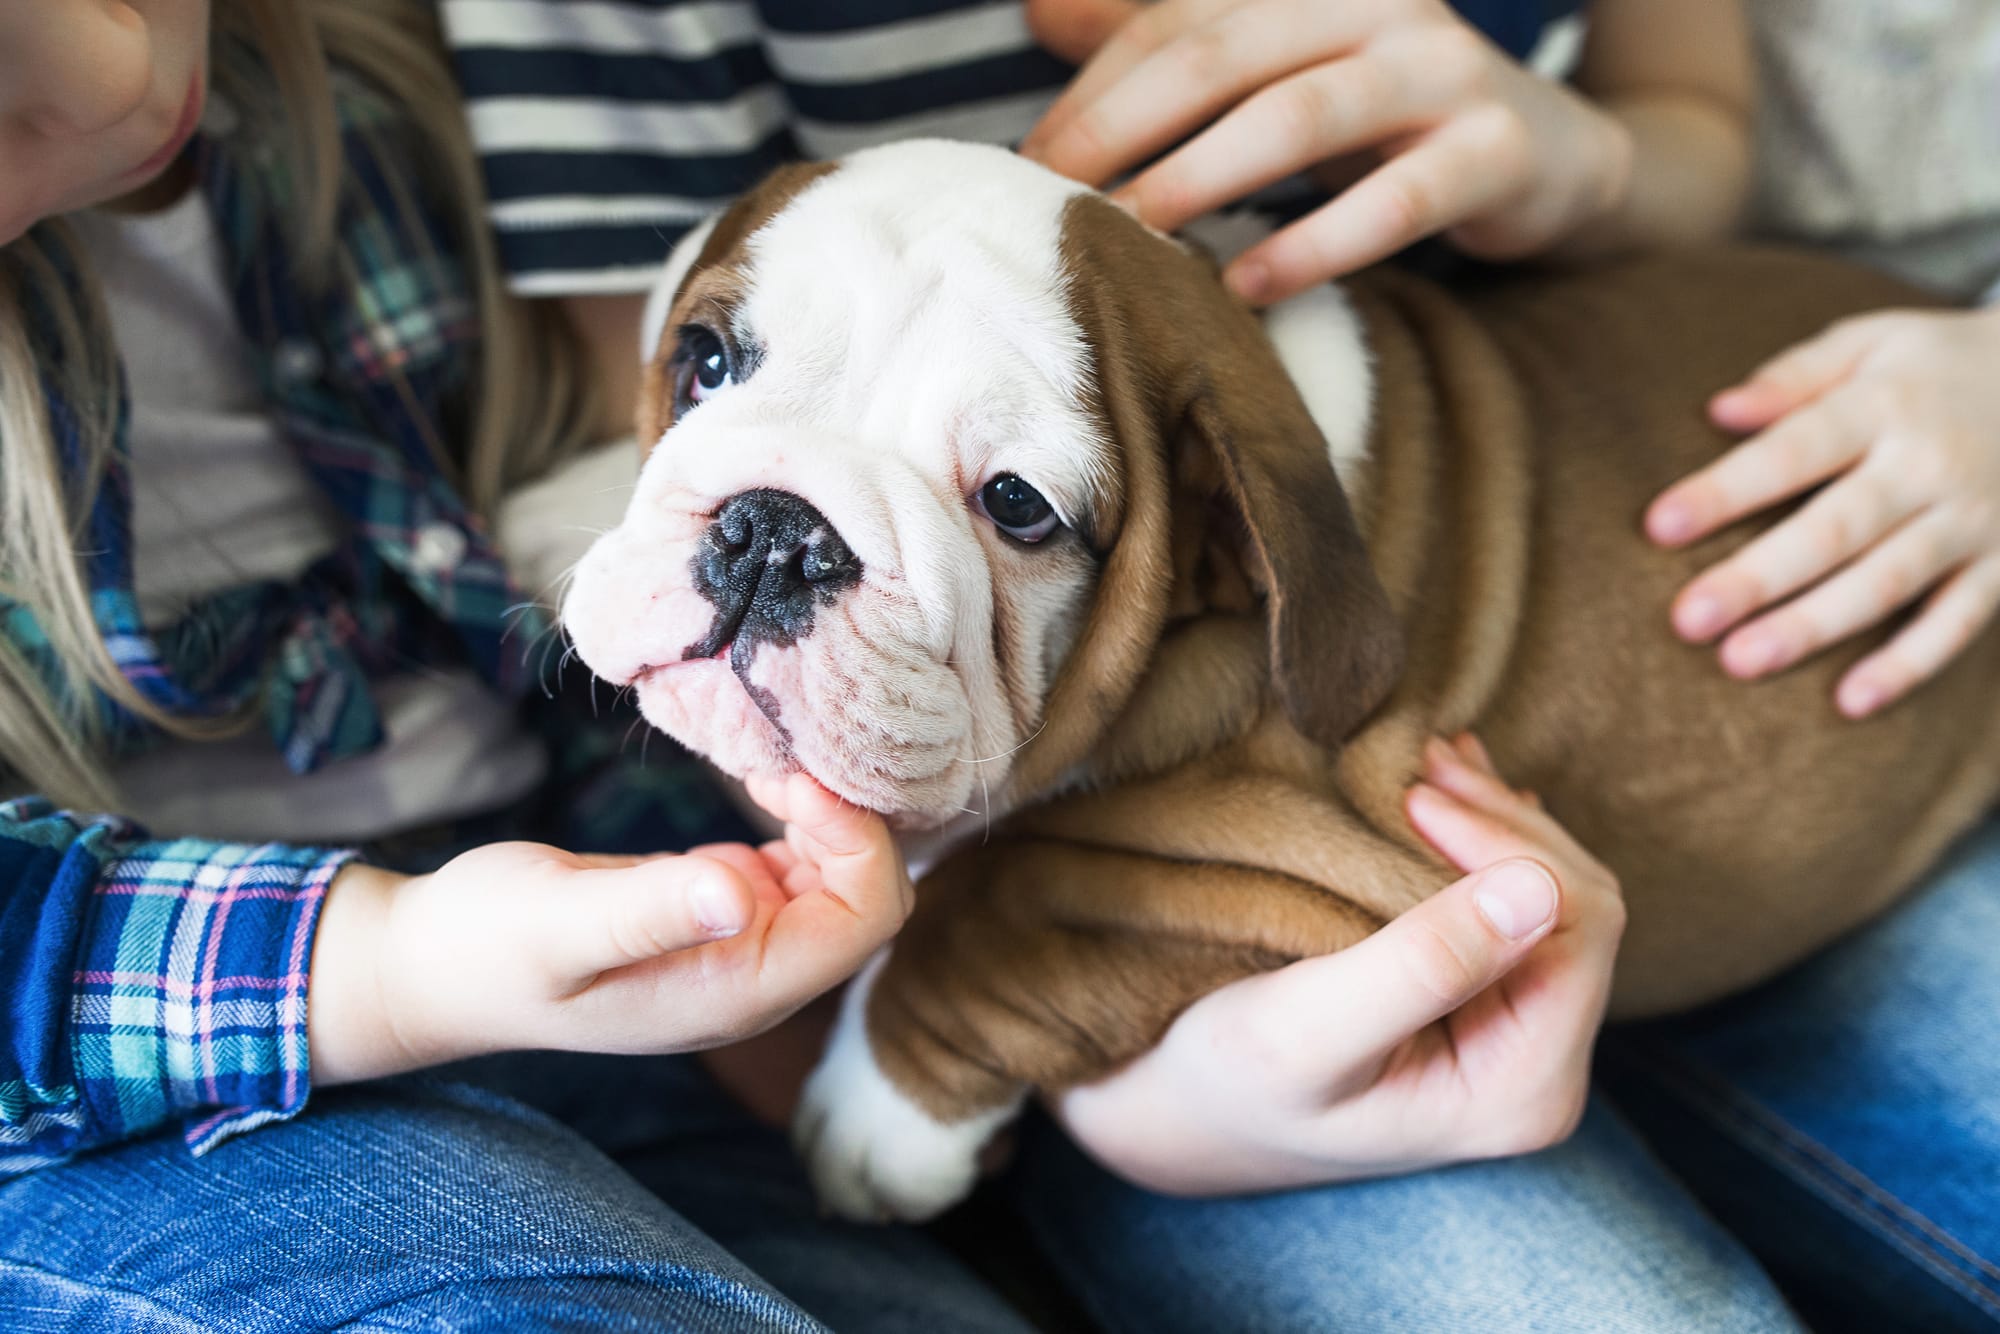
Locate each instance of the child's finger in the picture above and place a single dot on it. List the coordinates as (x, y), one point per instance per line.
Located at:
(1837, 524)
(1446, 767)
(1882, 580)
(614, 918)
(747, 862)
(1076, 30)
(1793, 378)
(796, 875)
(1800, 452)
(1478, 785)
(1421, 966)
(1447, 177)
(1474, 752)
(1953, 616)
(611, 861)
(772, 792)
(861, 895)
(1360, 100)
(852, 847)
(1124, 43)
(1467, 836)
(781, 856)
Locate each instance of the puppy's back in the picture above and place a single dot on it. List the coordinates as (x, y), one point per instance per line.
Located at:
(1750, 823)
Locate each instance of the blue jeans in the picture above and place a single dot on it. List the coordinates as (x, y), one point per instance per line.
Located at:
(1844, 1123)
(453, 1204)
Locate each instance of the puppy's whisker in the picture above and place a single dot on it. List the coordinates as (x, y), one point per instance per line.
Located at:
(986, 795)
(1005, 753)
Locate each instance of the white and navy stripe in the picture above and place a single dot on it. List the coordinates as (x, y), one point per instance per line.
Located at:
(607, 128)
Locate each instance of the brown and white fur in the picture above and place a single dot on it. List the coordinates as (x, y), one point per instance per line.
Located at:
(1166, 746)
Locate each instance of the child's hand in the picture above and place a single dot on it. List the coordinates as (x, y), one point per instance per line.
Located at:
(1899, 413)
(1460, 1030)
(1468, 139)
(518, 945)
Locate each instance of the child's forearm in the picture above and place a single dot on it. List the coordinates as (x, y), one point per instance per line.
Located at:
(351, 1029)
(1689, 174)
(1678, 82)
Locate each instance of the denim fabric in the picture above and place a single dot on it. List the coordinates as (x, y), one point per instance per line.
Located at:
(438, 1204)
(1591, 1237)
(1844, 1121)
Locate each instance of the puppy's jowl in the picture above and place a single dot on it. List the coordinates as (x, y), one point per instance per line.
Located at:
(990, 509)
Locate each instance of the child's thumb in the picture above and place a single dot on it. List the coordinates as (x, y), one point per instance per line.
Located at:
(612, 918)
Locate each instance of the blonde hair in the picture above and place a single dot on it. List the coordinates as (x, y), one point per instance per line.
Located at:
(529, 401)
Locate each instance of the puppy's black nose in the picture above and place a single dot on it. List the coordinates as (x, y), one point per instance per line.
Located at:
(766, 562)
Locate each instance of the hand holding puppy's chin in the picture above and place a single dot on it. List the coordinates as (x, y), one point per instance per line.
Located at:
(517, 946)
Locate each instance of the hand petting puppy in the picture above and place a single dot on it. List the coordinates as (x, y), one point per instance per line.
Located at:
(1898, 414)
(1421, 124)
(1461, 1030)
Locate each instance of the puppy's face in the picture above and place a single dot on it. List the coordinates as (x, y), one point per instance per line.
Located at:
(891, 486)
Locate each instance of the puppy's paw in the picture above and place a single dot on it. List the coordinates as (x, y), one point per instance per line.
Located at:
(873, 1154)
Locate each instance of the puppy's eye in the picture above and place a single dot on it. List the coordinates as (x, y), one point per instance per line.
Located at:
(1017, 509)
(705, 366)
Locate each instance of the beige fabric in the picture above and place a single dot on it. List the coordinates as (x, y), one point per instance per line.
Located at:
(1878, 133)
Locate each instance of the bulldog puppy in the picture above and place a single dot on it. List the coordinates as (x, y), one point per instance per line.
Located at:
(990, 509)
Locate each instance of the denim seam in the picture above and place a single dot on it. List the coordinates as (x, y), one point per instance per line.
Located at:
(715, 1290)
(1834, 1179)
(135, 1299)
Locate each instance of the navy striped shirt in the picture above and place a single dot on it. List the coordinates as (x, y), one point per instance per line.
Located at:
(607, 128)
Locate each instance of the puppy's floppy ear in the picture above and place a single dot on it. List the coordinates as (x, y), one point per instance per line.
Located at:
(1336, 648)
(1180, 361)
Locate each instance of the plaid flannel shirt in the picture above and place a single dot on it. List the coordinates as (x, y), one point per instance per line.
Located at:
(153, 980)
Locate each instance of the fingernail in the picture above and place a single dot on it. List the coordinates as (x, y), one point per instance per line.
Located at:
(1516, 898)
(717, 908)
(1737, 400)
(1671, 523)
(1700, 617)
(1248, 280)
(1859, 700)
(1753, 656)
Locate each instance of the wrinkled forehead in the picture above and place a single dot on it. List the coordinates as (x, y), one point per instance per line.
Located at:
(912, 285)
(923, 235)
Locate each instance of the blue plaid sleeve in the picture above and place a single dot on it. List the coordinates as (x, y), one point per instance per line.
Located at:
(148, 980)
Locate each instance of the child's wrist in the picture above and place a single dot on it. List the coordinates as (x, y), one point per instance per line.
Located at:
(355, 1029)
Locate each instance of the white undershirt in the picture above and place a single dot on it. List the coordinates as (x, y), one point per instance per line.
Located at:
(219, 499)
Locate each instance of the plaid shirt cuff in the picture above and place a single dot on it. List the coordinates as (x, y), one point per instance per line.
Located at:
(190, 998)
